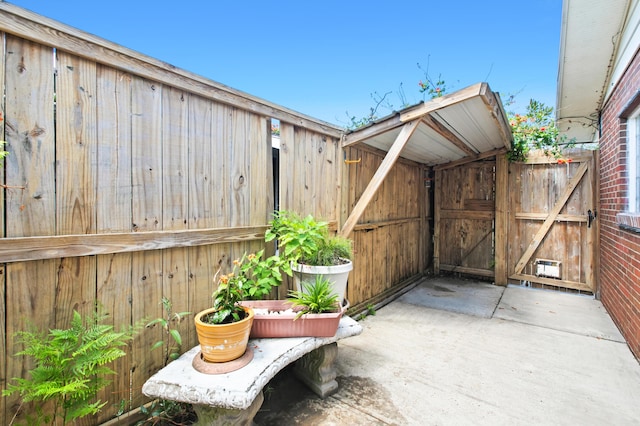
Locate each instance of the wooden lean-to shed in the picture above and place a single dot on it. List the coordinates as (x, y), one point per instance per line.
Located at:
(422, 189)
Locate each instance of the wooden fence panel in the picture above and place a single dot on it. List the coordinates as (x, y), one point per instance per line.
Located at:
(140, 181)
(392, 232)
(466, 211)
(309, 179)
(536, 189)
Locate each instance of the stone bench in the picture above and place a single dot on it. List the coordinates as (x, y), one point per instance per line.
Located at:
(236, 397)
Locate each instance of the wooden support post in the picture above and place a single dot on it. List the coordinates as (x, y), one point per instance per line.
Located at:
(501, 219)
(436, 221)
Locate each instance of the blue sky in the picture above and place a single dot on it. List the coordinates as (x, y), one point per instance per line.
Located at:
(326, 58)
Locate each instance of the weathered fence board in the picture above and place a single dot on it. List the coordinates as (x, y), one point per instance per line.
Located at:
(3, 280)
(465, 218)
(142, 181)
(549, 201)
(389, 237)
(31, 287)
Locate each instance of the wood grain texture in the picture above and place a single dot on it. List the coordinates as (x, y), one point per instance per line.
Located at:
(548, 219)
(147, 215)
(113, 214)
(29, 123)
(31, 26)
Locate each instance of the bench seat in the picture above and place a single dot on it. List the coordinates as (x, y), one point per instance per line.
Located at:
(220, 398)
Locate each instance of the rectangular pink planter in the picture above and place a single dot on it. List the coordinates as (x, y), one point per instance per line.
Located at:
(283, 325)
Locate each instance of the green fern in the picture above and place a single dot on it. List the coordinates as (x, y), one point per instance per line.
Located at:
(70, 366)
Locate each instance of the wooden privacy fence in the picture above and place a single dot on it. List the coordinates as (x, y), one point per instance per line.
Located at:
(553, 223)
(532, 223)
(128, 181)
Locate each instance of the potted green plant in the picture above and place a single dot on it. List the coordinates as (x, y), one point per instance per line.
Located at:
(316, 298)
(223, 330)
(308, 249)
(313, 312)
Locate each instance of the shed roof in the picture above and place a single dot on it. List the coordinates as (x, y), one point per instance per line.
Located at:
(463, 126)
(459, 126)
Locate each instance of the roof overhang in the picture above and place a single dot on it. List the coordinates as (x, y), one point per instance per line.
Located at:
(588, 42)
(459, 126)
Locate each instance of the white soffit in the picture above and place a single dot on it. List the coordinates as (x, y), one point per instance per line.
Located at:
(590, 32)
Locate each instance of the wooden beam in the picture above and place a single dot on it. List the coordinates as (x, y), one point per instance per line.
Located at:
(501, 220)
(553, 282)
(494, 105)
(538, 157)
(444, 101)
(471, 159)
(553, 214)
(437, 196)
(371, 131)
(466, 214)
(37, 248)
(466, 270)
(559, 218)
(378, 178)
(443, 131)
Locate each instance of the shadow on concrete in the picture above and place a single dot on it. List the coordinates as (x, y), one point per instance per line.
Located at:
(455, 352)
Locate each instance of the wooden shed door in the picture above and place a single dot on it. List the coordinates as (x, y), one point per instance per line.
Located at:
(464, 215)
(553, 226)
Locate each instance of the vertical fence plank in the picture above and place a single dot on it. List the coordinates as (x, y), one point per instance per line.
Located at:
(206, 202)
(147, 216)
(3, 280)
(113, 210)
(31, 286)
(175, 199)
(76, 147)
(287, 143)
(240, 174)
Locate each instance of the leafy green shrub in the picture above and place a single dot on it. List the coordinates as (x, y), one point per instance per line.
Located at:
(70, 366)
(307, 240)
(252, 278)
(536, 129)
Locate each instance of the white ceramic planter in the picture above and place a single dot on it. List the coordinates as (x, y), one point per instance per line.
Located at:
(337, 274)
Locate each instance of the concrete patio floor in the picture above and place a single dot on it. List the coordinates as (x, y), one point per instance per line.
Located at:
(459, 352)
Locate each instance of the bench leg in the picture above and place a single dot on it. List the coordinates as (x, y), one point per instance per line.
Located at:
(208, 416)
(317, 370)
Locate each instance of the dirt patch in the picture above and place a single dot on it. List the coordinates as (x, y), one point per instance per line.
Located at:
(359, 401)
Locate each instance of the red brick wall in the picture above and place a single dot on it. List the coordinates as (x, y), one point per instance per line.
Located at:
(619, 248)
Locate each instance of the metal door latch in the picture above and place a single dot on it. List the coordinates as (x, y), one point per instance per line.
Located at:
(591, 216)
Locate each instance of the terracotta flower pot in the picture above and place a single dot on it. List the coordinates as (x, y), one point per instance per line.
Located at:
(286, 324)
(223, 342)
